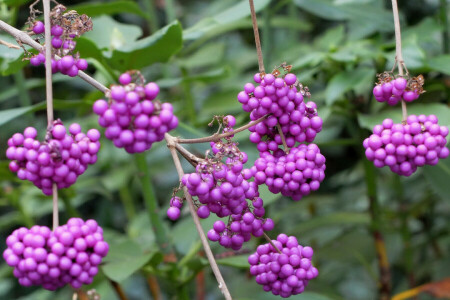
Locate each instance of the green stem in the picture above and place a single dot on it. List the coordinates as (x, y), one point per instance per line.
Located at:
(70, 210)
(170, 11)
(22, 90)
(446, 25)
(151, 201)
(152, 16)
(189, 100)
(127, 201)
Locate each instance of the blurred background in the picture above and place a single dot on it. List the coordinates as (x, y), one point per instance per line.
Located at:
(201, 53)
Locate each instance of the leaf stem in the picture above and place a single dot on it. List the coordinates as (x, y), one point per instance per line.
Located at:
(170, 10)
(119, 291)
(171, 141)
(271, 242)
(151, 202)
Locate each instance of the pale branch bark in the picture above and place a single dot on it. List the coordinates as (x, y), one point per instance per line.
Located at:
(9, 45)
(49, 94)
(23, 38)
(217, 137)
(171, 144)
(398, 51)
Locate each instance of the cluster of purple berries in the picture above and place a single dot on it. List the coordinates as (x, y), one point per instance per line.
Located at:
(394, 91)
(132, 120)
(69, 255)
(280, 98)
(68, 64)
(241, 227)
(286, 273)
(295, 174)
(421, 141)
(60, 159)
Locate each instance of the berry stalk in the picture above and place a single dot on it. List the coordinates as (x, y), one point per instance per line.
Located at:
(49, 92)
(171, 142)
(257, 40)
(398, 52)
(217, 137)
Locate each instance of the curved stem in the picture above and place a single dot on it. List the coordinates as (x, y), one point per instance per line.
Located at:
(398, 52)
(171, 142)
(216, 137)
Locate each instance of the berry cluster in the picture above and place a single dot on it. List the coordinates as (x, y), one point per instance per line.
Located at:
(132, 119)
(69, 255)
(421, 141)
(286, 273)
(280, 98)
(223, 188)
(64, 28)
(295, 174)
(241, 227)
(394, 91)
(60, 159)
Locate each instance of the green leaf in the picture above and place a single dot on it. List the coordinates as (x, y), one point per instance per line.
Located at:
(108, 34)
(440, 63)
(158, 47)
(10, 114)
(10, 58)
(94, 9)
(238, 261)
(440, 110)
(332, 219)
(229, 16)
(323, 8)
(267, 196)
(124, 259)
(345, 81)
(208, 55)
(438, 176)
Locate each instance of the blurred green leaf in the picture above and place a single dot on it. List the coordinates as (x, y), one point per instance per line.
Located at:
(347, 80)
(108, 34)
(440, 63)
(229, 16)
(437, 176)
(333, 219)
(237, 261)
(94, 9)
(158, 47)
(124, 259)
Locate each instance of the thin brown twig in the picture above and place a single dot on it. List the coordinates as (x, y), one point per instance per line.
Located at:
(216, 137)
(191, 158)
(271, 242)
(171, 142)
(9, 45)
(398, 51)
(257, 40)
(283, 139)
(119, 290)
(154, 287)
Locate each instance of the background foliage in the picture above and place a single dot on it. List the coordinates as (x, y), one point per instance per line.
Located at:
(201, 53)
